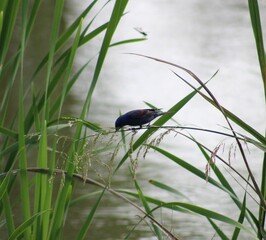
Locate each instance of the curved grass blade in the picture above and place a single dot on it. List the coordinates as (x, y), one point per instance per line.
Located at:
(66, 36)
(155, 201)
(225, 183)
(116, 193)
(25, 225)
(238, 121)
(10, 13)
(58, 11)
(4, 185)
(257, 30)
(24, 180)
(69, 66)
(218, 230)
(70, 84)
(194, 170)
(117, 13)
(147, 208)
(84, 197)
(13, 148)
(213, 100)
(168, 189)
(213, 215)
(240, 219)
(258, 34)
(8, 132)
(133, 40)
(42, 185)
(73, 120)
(210, 215)
(1, 26)
(194, 209)
(85, 227)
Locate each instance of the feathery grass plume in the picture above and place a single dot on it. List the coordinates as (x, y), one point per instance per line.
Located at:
(155, 141)
(97, 155)
(133, 160)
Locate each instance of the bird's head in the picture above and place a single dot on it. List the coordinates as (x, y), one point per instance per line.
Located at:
(119, 123)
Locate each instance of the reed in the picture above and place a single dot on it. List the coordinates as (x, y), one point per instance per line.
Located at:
(36, 124)
(46, 188)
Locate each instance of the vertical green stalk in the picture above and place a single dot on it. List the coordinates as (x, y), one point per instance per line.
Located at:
(1, 22)
(10, 10)
(41, 185)
(55, 30)
(62, 198)
(257, 30)
(147, 207)
(117, 13)
(6, 30)
(24, 191)
(256, 25)
(263, 190)
(69, 66)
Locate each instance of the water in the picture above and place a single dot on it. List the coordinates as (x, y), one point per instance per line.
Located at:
(202, 36)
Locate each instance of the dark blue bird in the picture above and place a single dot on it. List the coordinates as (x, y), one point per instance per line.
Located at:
(137, 117)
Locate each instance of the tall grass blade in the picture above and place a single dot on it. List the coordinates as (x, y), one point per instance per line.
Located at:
(61, 204)
(240, 219)
(54, 36)
(65, 36)
(117, 13)
(5, 202)
(24, 189)
(262, 212)
(25, 226)
(168, 189)
(10, 12)
(41, 184)
(4, 185)
(85, 227)
(238, 121)
(218, 230)
(258, 34)
(194, 170)
(214, 215)
(9, 216)
(133, 40)
(257, 30)
(32, 18)
(227, 185)
(147, 208)
(1, 27)
(70, 84)
(156, 201)
(8, 132)
(192, 209)
(70, 65)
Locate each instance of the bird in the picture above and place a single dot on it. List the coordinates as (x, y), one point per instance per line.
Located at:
(137, 117)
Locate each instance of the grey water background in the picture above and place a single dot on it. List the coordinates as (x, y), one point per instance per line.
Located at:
(202, 36)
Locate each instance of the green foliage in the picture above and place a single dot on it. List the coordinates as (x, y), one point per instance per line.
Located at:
(37, 125)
